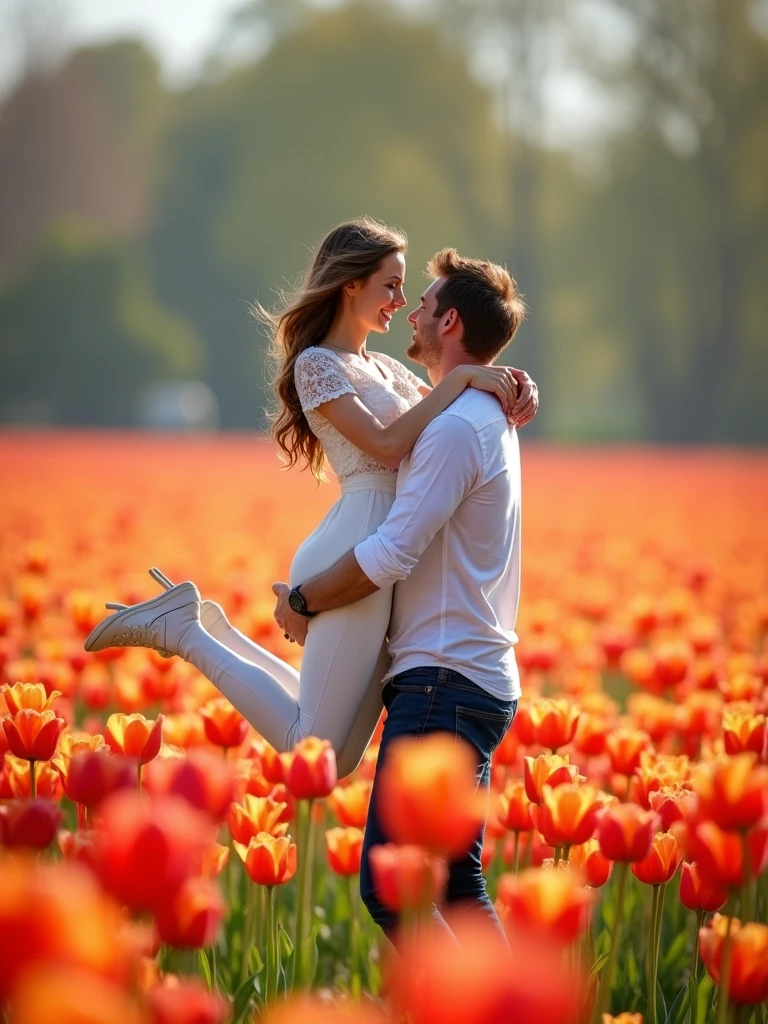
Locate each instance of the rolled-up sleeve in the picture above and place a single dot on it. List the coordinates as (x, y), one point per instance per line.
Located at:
(445, 465)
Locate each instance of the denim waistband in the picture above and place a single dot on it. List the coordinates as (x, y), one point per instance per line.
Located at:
(370, 482)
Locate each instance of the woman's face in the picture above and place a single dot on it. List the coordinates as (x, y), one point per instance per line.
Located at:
(375, 300)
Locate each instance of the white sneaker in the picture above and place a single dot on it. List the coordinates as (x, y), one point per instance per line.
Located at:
(159, 623)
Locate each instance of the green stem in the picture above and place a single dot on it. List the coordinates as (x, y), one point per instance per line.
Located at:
(273, 968)
(606, 985)
(725, 976)
(33, 779)
(695, 955)
(304, 893)
(653, 951)
(356, 981)
(248, 925)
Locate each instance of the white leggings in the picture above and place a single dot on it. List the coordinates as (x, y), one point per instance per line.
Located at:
(337, 695)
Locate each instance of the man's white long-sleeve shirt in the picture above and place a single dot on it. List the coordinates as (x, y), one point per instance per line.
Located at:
(451, 542)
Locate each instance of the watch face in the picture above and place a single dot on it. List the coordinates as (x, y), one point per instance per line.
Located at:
(296, 602)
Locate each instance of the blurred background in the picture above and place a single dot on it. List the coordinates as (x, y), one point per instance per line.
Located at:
(163, 164)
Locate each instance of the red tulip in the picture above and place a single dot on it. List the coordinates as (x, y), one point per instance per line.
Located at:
(29, 823)
(344, 847)
(407, 877)
(626, 831)
(33, 735)
(310, 769)
(186, 1001)
(696, 894)
(661, 862)
(748, 979)
(192, 919)
(134, 736)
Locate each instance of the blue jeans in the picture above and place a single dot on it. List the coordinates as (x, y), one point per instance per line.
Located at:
(418, 702)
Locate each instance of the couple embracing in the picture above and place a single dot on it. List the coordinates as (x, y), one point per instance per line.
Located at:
(406, 594)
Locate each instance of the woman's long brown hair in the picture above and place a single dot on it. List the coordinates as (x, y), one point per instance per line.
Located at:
(351, 252)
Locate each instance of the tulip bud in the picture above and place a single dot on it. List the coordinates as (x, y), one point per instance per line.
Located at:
(269, 860)
(344, 847)
(696, 894)
(554, 722)
(626, 831)
(661, 862)
(224, 725)
(310, 769)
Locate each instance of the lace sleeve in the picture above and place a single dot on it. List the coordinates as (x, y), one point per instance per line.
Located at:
(319, 378)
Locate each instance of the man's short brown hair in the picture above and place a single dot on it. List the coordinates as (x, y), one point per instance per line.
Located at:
(486, 297)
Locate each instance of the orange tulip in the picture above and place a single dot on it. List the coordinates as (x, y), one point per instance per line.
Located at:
(554, 722)
(743, 730)
(204, 780)
(306, 1009)
(661, 862)
(33, 735)
(269, 860)
(624, 747)
(547, 770)
(429, 796)
(344, 847)
(224, 725)
(478, 978)
(62, 994)
(696, 894)
(254, 815)
(90, 776)
(626, 831)
(134, 736)
(350, 803)
(192, 918)
(407, 877)
(623, 1018)
(29, 823)
(590, 861)
(514, 811)
(748, 980)
(720, 855)
(65, 919)
(310, 769)
(215, 858)
(16, 779)
(733, 791)
(145, 850)
(671, 803)
(31, 696)
(567, 814)
(547, 902)
(186, 1001)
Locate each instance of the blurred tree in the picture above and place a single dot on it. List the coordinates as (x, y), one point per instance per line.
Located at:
(79, 140)
(346, 114)
(684, 218)
(82, 334)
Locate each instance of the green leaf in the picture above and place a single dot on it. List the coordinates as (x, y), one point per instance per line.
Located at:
(679, 1007)
(661, 1003)
(598, 965)
(677, 949)
(285, 940)
(248, 996)
(205, 968)
(704, 996)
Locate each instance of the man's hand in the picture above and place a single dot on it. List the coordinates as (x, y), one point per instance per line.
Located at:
(527, 403)
(293, 625)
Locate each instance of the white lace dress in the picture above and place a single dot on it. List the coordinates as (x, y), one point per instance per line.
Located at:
(322, 374)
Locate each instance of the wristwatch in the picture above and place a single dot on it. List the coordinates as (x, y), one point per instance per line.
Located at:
(297, 603)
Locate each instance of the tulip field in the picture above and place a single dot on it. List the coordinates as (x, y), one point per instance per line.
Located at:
(161, 864)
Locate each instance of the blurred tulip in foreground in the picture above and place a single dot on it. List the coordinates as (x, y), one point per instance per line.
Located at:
(733, 791)
(407, 877)
(145, 849)
(69, 995)
(720, 855)
(428, 794)
(202, 778)
(310, 1010)
(547, 902)
(192, 918)
(186, 1001)
(480, 979)
(92, 775)
(29, 823)
(748, 980)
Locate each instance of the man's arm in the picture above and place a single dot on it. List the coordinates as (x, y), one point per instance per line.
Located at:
(445, 464)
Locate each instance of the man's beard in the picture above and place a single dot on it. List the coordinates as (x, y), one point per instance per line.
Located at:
(425, 348)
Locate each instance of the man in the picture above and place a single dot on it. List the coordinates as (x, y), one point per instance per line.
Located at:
(451, 544)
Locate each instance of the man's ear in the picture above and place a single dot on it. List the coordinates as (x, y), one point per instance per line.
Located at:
(449, 320)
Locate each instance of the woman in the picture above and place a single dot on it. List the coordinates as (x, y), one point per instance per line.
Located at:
(363, 412)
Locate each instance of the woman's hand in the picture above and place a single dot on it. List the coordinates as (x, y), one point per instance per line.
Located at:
(498, 380)
(294, 626)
